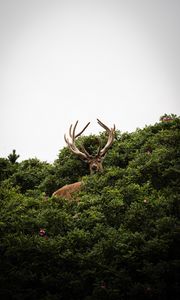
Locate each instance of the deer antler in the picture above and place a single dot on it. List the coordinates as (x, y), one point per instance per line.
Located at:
(82, 154)
(94, 161)
(111, 135)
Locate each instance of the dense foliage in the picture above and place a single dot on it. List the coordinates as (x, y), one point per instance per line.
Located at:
(118, 238)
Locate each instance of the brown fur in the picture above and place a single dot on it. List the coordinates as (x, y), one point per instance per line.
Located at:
(67, 190)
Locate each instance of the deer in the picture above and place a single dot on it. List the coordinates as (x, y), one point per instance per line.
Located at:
(94, 161)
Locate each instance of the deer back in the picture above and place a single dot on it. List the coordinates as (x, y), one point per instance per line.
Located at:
(67, 190)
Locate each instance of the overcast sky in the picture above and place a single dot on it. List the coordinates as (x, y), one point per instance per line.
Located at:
(68, 60)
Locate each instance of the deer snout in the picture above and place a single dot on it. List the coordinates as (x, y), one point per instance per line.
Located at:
(94, 167)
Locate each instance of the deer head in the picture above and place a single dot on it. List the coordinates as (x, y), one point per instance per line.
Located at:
(94, 161)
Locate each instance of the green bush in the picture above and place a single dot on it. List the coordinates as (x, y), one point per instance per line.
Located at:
(119, 240)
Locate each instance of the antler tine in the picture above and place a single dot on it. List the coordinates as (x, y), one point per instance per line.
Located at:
(65, 138)
(85, 151)
(72, 134)
(68, 142)
(105, 127)
(82, 130)
(111, 134)
(74, 129)
(71, 144)
(70, 128)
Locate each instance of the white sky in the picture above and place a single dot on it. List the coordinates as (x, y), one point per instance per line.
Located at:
(68, 60)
